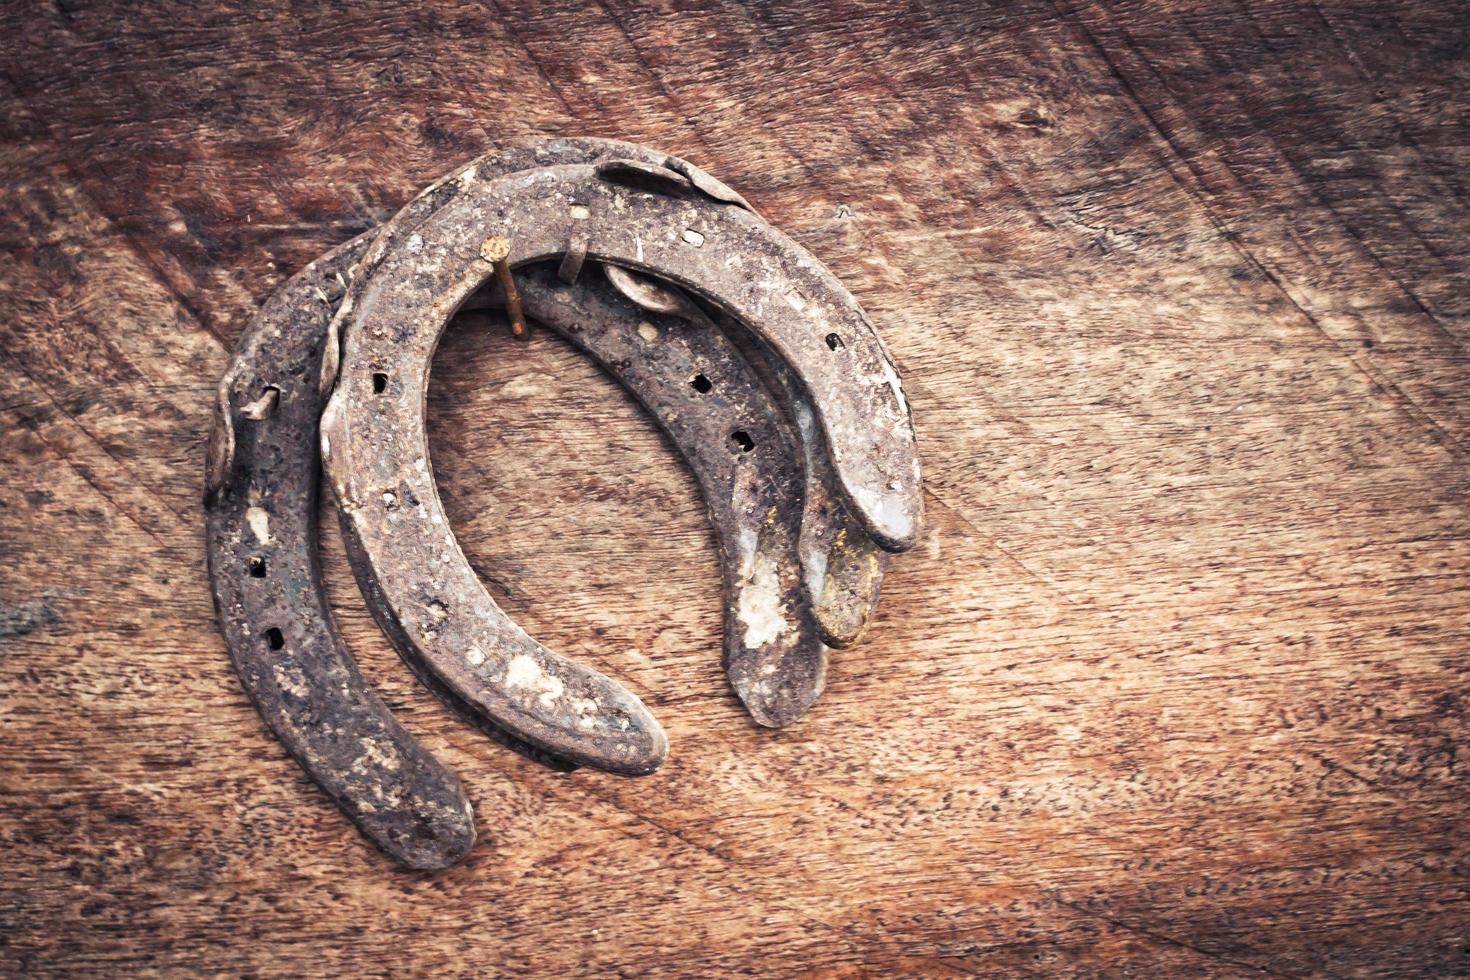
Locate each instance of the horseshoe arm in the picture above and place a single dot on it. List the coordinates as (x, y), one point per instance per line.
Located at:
(843, 568)
(261, 545)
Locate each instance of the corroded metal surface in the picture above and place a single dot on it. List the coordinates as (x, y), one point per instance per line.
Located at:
(745, 267)
(377, 457)
(843, 567)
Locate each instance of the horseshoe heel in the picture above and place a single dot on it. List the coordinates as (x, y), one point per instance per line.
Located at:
(261, 493)
(843, 565)
(712, 404)
(373, 599)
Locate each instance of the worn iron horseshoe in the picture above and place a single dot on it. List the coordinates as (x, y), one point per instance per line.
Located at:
(842, 567)
(372, 431)
(700, 389)
(302, 674)
(260, 499)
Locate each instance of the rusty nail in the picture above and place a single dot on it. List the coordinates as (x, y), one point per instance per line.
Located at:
(496, 251)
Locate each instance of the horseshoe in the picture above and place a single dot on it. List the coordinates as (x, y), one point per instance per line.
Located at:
(471, 645)
(292, 319)
(261, 495)
(847, 375)
(330, 668)
(273, 493)
(281, 344)
(843, 567)
(842, 607)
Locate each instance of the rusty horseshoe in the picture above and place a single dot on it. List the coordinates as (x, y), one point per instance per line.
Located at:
(376, 456)
(806, 462)
(843, 567)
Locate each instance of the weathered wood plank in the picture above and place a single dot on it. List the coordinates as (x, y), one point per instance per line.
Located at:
(1174, 683)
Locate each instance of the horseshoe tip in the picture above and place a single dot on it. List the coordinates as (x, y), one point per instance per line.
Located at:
(449, 848)
(426, 831)
(892, 516)
(646, 751)
(840, 627)
(777, 715)
(897, 535)
(780, 705)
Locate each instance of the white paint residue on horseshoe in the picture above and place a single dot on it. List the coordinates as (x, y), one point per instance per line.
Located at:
(259, 520)
(525, 672)
(760, 609)
(291, 680)
(887, 508)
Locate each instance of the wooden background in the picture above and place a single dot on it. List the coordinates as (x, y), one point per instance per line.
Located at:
(1175, 683)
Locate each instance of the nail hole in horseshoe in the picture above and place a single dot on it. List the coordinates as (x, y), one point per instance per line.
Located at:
(742, 441)
(701, 384)
(834, 342)
(257, 567)
(274, 638)
(380, 382)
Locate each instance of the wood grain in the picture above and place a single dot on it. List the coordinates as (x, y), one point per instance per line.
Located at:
(1175, 683)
